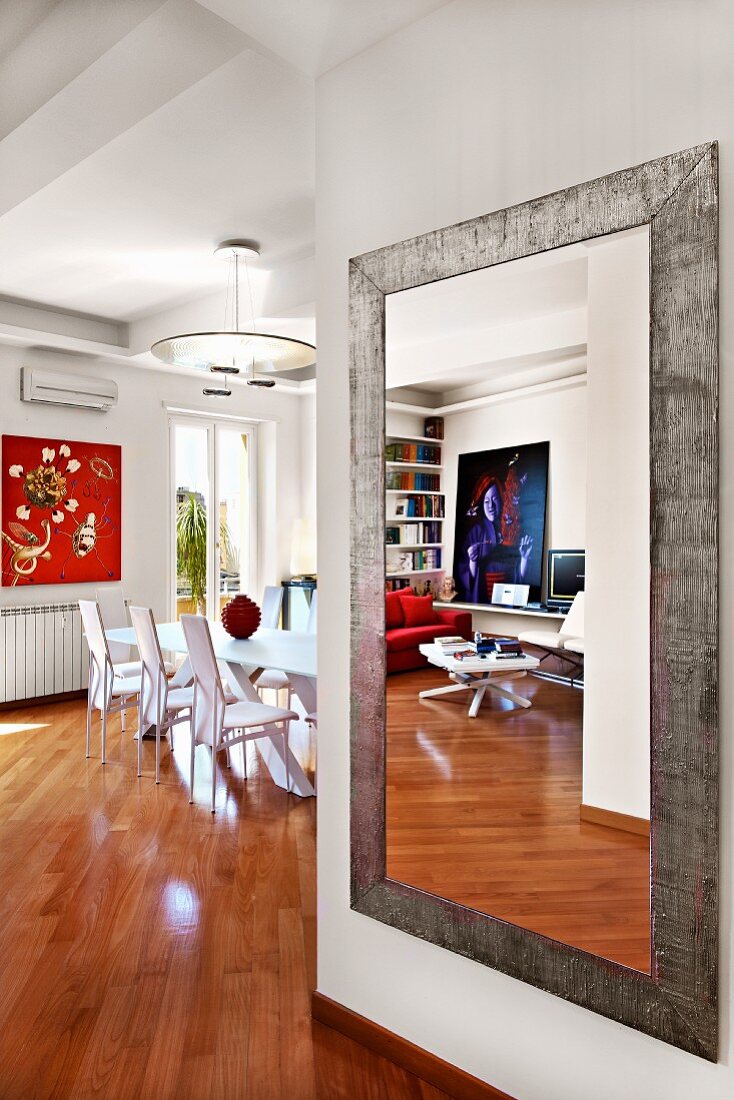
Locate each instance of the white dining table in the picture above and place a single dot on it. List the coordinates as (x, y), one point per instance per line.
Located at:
(245, 659)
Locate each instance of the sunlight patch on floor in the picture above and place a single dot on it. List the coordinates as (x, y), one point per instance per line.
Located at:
(6, 728)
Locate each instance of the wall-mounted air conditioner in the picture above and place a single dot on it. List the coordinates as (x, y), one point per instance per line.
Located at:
(58, 388)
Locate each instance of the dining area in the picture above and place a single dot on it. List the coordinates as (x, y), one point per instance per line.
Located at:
(224, 684)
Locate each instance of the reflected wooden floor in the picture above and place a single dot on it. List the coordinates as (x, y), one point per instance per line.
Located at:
(150, 951)
(485, 812)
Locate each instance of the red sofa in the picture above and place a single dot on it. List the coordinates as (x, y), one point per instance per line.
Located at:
(402, 640)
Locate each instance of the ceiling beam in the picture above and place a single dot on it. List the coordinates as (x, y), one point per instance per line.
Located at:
(162, 56)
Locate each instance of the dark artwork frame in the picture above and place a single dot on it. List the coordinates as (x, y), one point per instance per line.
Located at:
(519, 475)
(677, 196)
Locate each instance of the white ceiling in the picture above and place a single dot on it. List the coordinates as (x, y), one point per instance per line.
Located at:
(130, 229)
(317, 35)
(135, 134)
(516, 321)
(549, 283)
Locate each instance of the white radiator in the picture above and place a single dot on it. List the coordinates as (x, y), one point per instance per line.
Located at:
(43, 651)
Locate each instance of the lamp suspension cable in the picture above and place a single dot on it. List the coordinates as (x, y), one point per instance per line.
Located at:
(231, 349)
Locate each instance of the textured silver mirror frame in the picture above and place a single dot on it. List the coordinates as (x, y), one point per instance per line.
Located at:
(678, 197)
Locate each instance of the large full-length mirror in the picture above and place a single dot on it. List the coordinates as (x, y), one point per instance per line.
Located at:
(517, 607)
(534, 599)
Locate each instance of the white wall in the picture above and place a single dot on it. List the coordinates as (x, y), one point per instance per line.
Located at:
(139, 424)
(476, 107)
(617, 605)
(307, 405)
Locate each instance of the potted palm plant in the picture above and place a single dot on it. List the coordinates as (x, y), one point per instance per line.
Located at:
(191, 546)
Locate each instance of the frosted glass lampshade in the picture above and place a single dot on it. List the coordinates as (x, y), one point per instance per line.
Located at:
(235, 351)
(303, 548)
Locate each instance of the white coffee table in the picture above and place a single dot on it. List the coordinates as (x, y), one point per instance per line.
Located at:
(478, 675)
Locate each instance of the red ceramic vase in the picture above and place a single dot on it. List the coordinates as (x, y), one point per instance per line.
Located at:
(241, 617)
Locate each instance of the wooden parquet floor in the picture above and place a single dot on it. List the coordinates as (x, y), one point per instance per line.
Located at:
(150, 951)
(485, 812)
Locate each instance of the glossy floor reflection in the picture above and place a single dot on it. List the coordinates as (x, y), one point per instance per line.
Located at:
(149, 950)
(485, 812)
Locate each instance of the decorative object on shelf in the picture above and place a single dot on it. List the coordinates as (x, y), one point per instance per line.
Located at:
(61, 511)
(433, 427)
(232, 349)
(447, 592)
(241, 616)
(303, 549)
(500, 520)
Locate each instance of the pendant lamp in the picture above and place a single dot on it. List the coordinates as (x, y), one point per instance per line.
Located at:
(233, 350)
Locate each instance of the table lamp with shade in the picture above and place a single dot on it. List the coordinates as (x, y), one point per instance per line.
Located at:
(303, 549)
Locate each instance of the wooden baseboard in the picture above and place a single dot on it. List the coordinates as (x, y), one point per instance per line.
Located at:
(628, 824)
(442, 1075)
(41, 700)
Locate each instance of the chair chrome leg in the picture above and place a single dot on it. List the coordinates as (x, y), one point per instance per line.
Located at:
(286, 760)
(214, 780)
(104, 735)
(89, 725)
(157, 753)
(140, 741)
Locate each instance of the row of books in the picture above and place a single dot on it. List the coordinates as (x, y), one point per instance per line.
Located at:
(414, 559)
(423, 483)
(420, 507)
(413, 533)
(413, 452)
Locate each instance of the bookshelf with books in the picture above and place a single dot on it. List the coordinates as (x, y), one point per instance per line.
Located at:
(414, 511)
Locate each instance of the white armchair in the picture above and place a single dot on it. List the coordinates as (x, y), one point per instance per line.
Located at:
(568, 644)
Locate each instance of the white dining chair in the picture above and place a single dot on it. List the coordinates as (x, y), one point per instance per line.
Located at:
(111, 603)
(160, 705)
(272, 679)
(113, 609)
(312, 721)
(107, 693)
(214, 721)
(271, 607)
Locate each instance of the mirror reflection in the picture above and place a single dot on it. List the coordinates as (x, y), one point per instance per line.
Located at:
(517, 593)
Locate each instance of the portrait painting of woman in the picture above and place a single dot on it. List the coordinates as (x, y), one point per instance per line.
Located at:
(500, 520)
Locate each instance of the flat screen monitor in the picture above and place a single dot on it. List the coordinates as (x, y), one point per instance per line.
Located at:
(566, 573)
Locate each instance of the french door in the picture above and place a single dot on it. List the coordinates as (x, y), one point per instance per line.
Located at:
(213, 510)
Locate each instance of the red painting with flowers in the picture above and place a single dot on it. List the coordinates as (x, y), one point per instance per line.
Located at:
(61, 514)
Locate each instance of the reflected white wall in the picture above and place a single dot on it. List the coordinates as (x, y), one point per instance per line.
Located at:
(617, 604)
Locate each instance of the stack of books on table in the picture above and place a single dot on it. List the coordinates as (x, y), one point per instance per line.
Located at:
(498, 647)
(451, 645)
